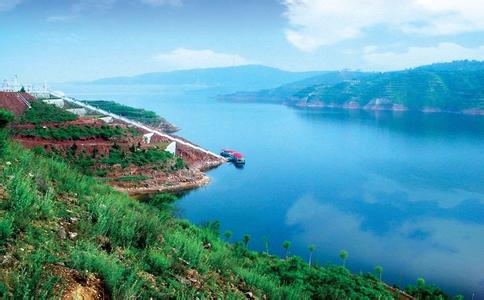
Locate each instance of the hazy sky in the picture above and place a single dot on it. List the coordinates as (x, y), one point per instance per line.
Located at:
(62, 40)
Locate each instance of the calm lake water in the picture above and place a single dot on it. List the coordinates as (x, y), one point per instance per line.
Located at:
(401, 190)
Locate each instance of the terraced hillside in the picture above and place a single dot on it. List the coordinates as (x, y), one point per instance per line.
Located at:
(449, 87)
(118, 153)
(417, 89)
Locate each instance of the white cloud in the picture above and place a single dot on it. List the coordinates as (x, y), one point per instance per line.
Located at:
(183, 58)
(417, 56)
(9, 4)
(314, 23)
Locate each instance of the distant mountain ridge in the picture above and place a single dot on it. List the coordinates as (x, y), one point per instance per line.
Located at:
(283, 92)
(451, 87)
(248, 77)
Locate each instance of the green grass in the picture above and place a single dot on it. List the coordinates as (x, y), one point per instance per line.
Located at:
(41, 112)
(132, 178)
(74, 132)
(141, 115)
(140, 157)
(137, 248)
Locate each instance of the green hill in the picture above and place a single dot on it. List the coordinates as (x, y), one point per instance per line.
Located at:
(282, 93)
(451, 87)
(454, 90)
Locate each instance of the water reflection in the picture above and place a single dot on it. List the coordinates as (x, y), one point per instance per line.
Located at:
(444, 250)
(410, 123)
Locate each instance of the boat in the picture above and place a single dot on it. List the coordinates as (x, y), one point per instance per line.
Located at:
(227, 153)
(238, 158)
(233, 156)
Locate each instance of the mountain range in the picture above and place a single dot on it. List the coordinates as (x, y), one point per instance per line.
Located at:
(248, 77)
(451, 87)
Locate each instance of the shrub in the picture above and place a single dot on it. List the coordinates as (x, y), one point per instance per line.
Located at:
(73, 132)
(101, 172)
(6, 228)
(39, 150)
(41, 112)
(144, 116)
(5, 118)
(86, 257)
(159, 263)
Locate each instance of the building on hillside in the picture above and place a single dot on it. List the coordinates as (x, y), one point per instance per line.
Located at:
(15, 102)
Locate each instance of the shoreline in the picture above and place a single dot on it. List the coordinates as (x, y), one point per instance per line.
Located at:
(375, 108)
(180, 187)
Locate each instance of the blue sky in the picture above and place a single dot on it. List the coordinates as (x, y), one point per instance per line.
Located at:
(87, 39)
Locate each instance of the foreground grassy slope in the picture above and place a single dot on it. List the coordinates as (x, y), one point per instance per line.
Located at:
(53, 216)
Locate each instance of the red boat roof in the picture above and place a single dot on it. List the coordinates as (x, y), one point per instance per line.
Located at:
(238, 155)
(228, 150)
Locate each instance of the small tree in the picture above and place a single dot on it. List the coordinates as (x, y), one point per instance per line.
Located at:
(311, 249)
(246, 240)
(420, 282)
(22, 90)
(420, 286)
(379, 271)
(343, 254)
(286, 245)
(227, 235)
(266, 244)
(5, 118)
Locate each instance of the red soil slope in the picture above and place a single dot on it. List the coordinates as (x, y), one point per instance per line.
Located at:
(15, 102)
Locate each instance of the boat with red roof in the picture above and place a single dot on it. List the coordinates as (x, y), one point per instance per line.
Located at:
(233, 156)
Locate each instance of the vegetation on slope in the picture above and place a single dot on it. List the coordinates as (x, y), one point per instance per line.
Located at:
(456, 87)
(91, 163)
(41, 112)
(281, 94)
(415, 89)
(140, 157)
(76, 132)
(146, 117)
